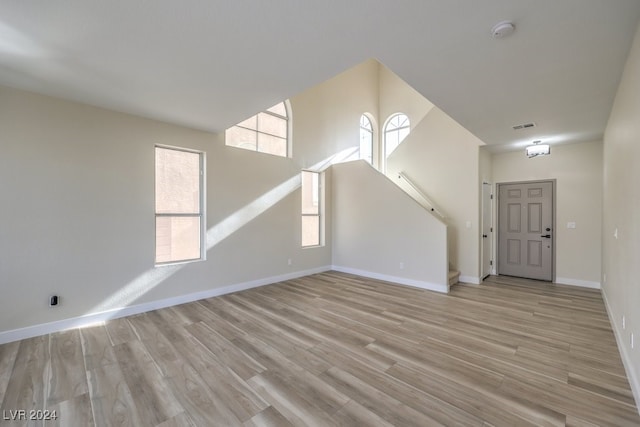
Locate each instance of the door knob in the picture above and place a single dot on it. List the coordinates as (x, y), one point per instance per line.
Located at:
(548, 236)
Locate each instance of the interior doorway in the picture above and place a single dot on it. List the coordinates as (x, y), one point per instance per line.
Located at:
(526, 229)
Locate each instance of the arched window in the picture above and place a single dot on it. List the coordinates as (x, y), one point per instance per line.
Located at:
(395, 131)
(266, 132)
(366, 139)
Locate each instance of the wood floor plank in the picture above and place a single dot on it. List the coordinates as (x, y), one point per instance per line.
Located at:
(354, 414)
(550, 395)
(269, 417)
(111, 398)
(440, 410)
(201, 398)
(376, 401)
(76, 411)
(242, 400)
(120, 331)
(300, 380)
(8, 353)
(238, 361)
(336, 349)
(481, 401)
(197, 399)
(96, 347)
(68, 377)
(153, 398)
(28, 386)
(297, 408)
(180, 420)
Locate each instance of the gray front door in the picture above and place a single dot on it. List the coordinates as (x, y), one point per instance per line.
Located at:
(525, 230)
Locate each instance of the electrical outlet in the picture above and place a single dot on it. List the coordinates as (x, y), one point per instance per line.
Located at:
(571, 224)
(289, 261)
(615, 233)
(401, 265)
(604, 277)
(624, 324)
(632, 341)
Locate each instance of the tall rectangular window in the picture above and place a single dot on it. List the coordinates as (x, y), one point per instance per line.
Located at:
(179, 205)
(311, 209)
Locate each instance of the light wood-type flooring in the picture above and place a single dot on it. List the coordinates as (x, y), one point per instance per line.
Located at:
(335, 349)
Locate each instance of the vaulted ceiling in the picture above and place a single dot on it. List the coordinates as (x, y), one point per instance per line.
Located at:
(209, 64)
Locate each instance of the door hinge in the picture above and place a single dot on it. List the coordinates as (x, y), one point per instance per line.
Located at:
(492, 197)
(491, 229)
(491, 262)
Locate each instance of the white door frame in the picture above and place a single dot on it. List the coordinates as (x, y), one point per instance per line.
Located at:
(554, 225)
(490, 235)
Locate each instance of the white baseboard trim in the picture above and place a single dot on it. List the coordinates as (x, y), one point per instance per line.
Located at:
(576, 282)
(395, 279)
(94, 318)
(470, 279)
(634, 381)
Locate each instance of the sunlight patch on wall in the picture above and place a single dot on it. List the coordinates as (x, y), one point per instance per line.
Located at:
(137, 288)
(13, 43)
(216, 234)
(242, 216)
(346, 155)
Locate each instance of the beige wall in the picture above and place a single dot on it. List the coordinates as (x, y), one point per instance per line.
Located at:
(577, 169)
(326, 117)
(396, 96)
(81, 210)
(380, 231)
(486, 165)
(441, 158)
(621, 255)
(81, 201)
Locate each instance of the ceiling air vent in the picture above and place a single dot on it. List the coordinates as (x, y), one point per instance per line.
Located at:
(524, 126)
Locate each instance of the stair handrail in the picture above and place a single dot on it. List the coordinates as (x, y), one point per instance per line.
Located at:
(431, 206)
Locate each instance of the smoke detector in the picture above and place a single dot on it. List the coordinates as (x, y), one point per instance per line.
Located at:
(502, 29)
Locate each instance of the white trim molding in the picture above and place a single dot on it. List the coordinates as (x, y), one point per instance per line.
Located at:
(394, 279)
(96, 318)
(634, 381)
(576, 282)
(469, 279)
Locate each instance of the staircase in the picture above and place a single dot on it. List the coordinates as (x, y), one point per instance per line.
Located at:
(453, 277)
(405, 183)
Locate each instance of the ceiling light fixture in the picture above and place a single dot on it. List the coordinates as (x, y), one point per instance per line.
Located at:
(502, 29)
(538, 149)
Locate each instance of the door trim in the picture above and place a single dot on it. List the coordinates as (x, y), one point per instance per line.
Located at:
(553, 226)
(483, 255)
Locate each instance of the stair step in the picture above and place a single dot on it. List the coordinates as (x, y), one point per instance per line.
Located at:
(453, 277)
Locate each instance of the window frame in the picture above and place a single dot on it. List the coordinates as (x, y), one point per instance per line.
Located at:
(371, 134)
(319, 215)
(201, 206)
(257, 131)
(386, 132)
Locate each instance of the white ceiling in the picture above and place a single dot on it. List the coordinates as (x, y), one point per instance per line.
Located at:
(208, 64)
